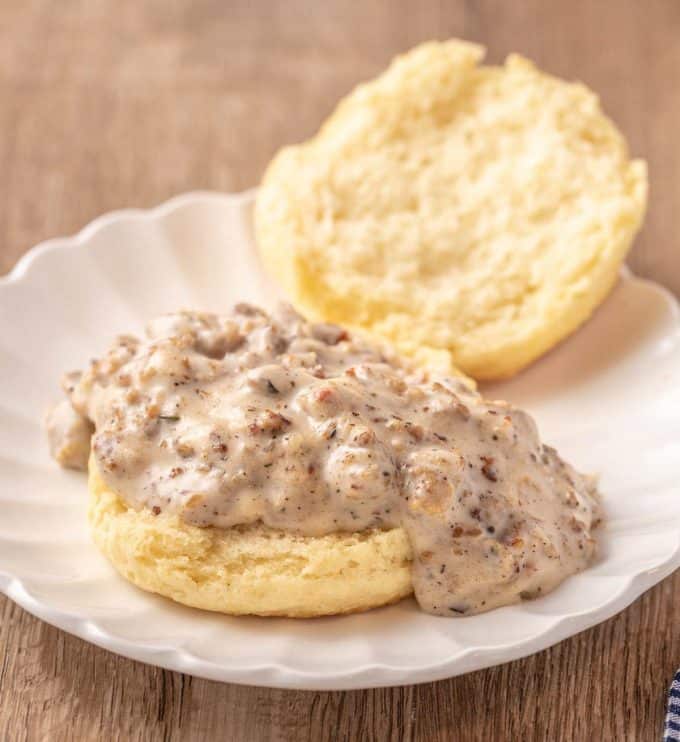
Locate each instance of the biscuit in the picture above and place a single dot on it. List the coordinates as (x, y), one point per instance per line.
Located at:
(249, 569)
(473, 215)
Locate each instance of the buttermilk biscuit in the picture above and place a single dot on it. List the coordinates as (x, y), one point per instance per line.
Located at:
(472, 216)
(249, 569)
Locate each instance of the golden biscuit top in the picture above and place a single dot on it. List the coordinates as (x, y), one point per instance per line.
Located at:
(468, 214)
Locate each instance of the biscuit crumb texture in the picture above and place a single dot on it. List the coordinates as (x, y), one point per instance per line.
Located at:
(471, 215)
(250, 569)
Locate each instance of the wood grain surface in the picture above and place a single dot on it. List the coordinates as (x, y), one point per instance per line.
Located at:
(107, 104)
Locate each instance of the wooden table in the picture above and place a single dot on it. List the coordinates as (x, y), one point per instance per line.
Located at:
(107, 104)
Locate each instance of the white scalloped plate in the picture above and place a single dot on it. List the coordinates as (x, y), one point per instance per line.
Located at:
(609, 399)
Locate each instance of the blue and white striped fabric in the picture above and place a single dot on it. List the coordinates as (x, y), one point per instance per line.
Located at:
(671, 731)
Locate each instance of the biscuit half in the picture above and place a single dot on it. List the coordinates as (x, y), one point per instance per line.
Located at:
(471, 215)
(249, 569)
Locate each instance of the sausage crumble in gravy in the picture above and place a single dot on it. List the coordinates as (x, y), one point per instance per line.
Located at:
(248, 418)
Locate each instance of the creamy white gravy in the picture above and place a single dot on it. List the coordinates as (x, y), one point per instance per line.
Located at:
(248, 418)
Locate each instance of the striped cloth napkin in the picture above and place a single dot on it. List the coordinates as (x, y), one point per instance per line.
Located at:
(671, 731)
